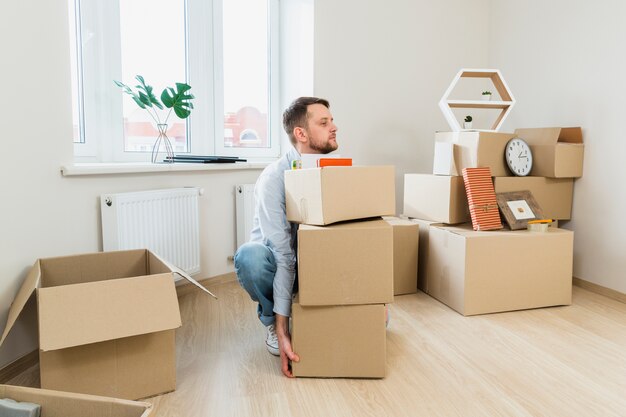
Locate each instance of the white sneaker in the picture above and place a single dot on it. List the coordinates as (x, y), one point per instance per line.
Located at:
(272, 340)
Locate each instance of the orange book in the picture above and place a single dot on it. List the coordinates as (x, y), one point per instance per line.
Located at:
(481, 197)
(337, 162)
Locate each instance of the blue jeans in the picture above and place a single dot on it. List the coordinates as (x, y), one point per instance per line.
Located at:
(256, 267)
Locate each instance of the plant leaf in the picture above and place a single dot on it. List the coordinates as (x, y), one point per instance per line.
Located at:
(145, 93)
(139, 103)
(178, 99)
(131, 93)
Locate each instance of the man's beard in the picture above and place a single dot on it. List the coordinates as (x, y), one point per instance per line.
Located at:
(328, 147)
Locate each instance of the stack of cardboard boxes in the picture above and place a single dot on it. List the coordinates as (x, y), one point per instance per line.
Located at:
(345, 268)
(485, 272)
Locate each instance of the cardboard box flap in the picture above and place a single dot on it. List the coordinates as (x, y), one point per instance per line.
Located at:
(76, 315)
(157, 265)
(31, 283)
(571, 135)
(397, 221)
(551, 135)
(91, 267)
(464, 229)
(66, 404)
(305, 195)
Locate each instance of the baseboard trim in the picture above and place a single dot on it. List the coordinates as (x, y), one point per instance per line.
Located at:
(187, 287)
(18, 366)
(599, 289)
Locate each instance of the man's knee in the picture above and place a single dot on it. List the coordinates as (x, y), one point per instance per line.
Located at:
(252, 260)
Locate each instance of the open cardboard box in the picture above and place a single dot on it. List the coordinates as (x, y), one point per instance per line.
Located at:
(321, 196)
(470, 149)
(106, 322)
(557, 151)
(65, 404)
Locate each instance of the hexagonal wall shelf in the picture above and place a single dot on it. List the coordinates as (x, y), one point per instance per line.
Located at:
(505, 104)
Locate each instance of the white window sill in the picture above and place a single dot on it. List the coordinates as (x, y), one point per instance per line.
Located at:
(137, 167)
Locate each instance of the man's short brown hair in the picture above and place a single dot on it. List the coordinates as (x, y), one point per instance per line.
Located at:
(296, 114)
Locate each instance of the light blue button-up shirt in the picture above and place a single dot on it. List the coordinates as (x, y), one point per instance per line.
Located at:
(270, 227)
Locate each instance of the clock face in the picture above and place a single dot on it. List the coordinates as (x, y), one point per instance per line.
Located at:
(518, 157)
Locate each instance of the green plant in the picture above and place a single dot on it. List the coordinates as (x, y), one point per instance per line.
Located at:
(486, 93)
(178, 99)
(468, 118)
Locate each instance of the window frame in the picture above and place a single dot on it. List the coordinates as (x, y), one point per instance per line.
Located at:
(102, 119)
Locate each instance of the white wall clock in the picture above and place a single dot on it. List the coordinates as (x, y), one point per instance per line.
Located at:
(519, 157)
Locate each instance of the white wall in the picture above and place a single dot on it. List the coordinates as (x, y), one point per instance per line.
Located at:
(564, 61)
(44, 214)
(384, 67)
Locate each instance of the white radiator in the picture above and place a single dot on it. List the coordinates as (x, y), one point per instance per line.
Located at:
(163, 221)
(244, 203)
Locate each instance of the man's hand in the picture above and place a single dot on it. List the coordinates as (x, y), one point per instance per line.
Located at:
(284, 344)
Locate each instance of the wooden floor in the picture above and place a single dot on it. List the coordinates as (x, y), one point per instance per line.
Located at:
(560, 361)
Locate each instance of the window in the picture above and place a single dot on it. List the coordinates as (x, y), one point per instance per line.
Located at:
(227, 50)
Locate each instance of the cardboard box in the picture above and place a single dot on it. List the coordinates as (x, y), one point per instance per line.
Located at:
(405, 254)
(339, 341)
(106, 322)
(471, 149)
(346, 263)
(422, 262)
(557, 151)
(65, 404)
(439, 198)
(554, 195)
(488, 272)
(321, 196)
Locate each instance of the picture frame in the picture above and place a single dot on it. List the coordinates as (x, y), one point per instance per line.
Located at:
(518, 207)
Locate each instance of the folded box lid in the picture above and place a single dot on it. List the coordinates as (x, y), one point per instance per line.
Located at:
(79, 314)
(551, 135)
(32, 281)
(152, 265)
(69, 404)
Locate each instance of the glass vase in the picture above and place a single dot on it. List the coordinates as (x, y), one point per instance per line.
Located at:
(162, 151)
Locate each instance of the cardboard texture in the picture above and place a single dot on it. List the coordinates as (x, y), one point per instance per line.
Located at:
(321, 196)
(405, 255)
(440, 198)
(557, 151)
(471, 149)
(422, 263)
(488, 272)
(339, 341)
(106, 322)
(65, 404)
(553, 195)
(346, 263)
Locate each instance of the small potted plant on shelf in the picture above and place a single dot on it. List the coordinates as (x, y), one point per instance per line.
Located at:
(467, 122)
(486, 95)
